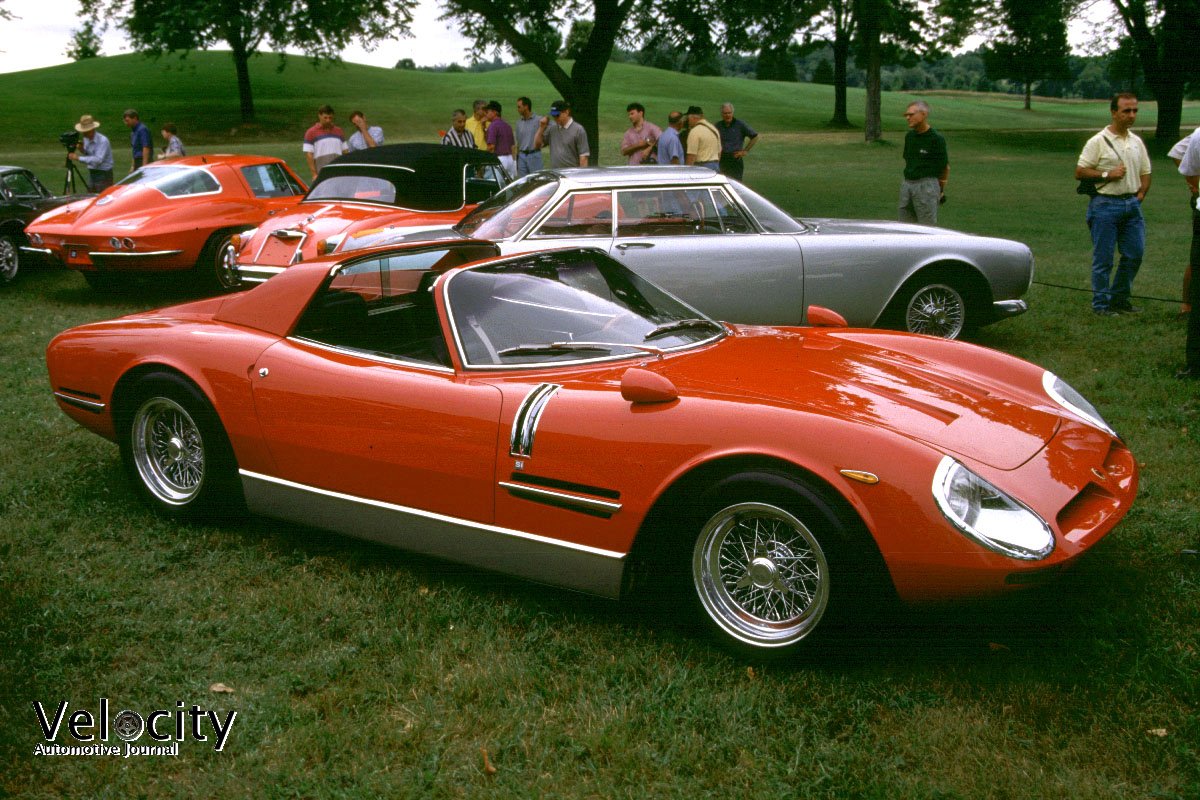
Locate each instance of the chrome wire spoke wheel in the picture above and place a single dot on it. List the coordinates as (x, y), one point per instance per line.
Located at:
(760, 574)
(168, 451)
(10, 259)
(937, 310)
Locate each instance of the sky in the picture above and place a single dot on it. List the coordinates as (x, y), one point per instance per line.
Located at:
(41, 36)
(43, 31)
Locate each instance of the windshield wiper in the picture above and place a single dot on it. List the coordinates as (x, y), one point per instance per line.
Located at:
(568, 347)
(679, 325)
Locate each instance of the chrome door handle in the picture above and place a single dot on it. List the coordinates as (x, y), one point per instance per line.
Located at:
(627, 245)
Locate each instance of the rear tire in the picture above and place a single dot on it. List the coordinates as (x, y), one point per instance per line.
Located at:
(176, 451)
(10, 258)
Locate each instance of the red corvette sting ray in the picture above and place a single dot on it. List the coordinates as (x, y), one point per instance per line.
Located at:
(555, 416)
(169, 216)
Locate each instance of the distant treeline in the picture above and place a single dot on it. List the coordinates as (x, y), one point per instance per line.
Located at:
(1091, 77)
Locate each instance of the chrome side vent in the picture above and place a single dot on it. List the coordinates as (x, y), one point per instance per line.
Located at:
(524, 427)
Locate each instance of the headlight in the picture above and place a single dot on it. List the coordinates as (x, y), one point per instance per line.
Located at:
(1061, 392)
(988, 515)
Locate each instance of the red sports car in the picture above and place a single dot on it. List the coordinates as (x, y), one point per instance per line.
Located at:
(412, 186)
(169, 216)
(555, 416)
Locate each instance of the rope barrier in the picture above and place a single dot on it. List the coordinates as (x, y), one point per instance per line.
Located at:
(1089, 291)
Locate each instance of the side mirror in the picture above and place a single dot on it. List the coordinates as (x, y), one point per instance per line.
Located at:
(821, 317)
(643, 386)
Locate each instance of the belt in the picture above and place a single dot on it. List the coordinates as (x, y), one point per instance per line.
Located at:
(1118, 196)
(529, 152)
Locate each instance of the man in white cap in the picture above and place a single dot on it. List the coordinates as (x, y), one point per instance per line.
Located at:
(96, 152)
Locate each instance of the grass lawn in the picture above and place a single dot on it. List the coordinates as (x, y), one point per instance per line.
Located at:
(359, 671)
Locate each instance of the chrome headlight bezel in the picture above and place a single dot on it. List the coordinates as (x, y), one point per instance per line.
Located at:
(987, 515)
(1068, 398)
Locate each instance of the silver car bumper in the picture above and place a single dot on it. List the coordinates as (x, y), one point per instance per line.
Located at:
(1003, 309)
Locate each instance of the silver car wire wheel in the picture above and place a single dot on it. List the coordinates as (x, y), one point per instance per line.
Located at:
(760, 574)
(938, 310)
(168, 451)
(10, 259)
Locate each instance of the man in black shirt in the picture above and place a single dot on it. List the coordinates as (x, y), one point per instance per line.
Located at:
(926, 168)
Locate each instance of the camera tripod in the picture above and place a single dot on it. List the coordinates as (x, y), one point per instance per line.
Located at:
(71, 172)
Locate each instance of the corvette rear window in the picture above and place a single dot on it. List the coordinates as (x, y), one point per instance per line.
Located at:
(174, 181)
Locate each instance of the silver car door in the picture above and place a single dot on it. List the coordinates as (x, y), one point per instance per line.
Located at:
(855, 274)
(697, 244)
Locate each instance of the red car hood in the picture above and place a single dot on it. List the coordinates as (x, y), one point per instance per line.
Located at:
(321, 220)
(944, 401)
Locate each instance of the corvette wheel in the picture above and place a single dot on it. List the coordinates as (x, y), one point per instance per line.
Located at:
(217, 268)
(175, 449)
(10, 259)
(937, 309)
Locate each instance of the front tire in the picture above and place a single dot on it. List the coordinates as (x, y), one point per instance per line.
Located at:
(217, 267)
(10, 258)
(175, 450)
(935, 309)
(771, 565)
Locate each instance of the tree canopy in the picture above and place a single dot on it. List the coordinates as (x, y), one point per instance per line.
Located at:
(319, 28)
(1031, 44)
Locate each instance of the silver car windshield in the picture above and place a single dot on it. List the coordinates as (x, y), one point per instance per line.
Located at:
(771, 218)
(566, 306)
(505, 213)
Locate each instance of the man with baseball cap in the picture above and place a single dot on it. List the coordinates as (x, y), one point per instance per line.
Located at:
(703, 141)
(567, 138)
(95, 151)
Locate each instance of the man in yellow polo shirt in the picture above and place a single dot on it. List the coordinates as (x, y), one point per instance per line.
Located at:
(703, 141)
(1117, 159)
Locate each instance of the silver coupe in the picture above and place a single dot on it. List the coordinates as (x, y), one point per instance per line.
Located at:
(736, 256)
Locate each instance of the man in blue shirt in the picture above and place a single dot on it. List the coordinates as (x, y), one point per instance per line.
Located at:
(139, 139)
(734, 144)
(670, 148)
(95, 151)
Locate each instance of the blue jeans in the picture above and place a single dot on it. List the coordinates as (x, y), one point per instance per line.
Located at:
(528, 162)
(1116, 224)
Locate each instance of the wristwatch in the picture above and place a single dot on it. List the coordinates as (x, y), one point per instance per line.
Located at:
(1103, 176)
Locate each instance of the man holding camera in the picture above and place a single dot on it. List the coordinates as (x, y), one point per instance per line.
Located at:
(95, 152)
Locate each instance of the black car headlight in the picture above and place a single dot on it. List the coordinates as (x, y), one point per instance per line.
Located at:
(988, 515)
(1062, 393)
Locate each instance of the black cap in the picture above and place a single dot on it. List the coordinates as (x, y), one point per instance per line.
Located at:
(695, 110)
(559, 105)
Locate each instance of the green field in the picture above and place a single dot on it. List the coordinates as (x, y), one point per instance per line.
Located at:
(364, 672)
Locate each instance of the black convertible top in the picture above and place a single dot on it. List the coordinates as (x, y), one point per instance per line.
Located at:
(418, 156)
(432, 177)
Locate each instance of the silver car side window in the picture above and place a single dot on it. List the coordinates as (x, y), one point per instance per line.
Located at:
(667, 211)
(579, 214)
(732, 218)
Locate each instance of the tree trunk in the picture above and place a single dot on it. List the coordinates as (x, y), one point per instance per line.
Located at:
(841, 55)
(241, 63)
(1028, 95)
(870, 28)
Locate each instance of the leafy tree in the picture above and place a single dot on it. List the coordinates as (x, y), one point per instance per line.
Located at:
(1165, 33)
(525, 25)
(85, 42)
(1032, 45)
(319, 28)
(405, 63)
(577, 38)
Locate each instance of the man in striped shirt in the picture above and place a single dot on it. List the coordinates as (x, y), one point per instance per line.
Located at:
(458, 135)
(324, 141)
